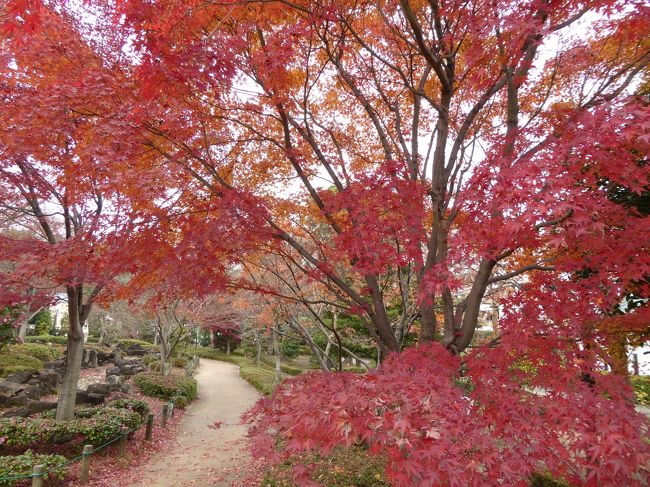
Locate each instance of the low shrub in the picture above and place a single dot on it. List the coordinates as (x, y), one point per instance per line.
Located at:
(179, 362)
(155, 385)
(42, 352)
(11, 362)
(641, 384)
(149, 359)
(214, 354)
(126, 342)
(18, 465)
(260, 378)
(287, 369)
(96, 427)
(59, 340)
(140, 407)
(180, 401)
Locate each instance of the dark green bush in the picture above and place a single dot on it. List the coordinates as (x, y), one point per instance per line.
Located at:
(641, 384)
(290, 347)
(155, 385)
(18, 465)
(59, 340)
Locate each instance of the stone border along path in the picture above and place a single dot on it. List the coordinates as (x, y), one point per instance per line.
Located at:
(206, 456)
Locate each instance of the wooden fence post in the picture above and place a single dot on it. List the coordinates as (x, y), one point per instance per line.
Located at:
(149, 430)
(37, 476)
(85, 464)
(163, 421)
(171, 409)
(124, 433)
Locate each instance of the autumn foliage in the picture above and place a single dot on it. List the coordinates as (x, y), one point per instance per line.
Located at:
(402, 161)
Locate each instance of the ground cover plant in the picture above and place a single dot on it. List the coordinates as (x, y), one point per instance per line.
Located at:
(166, 387)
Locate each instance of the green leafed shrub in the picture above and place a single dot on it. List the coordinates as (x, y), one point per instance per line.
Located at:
(140, 407)
(58, 340)
(260, 378)
(155, 385)
(641, 384)
(149, 359)
(179, 362)
(18, 465)
(290, 347)
(99, 427)
(180, 401)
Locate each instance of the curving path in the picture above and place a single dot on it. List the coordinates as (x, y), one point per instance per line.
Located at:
(205, 456)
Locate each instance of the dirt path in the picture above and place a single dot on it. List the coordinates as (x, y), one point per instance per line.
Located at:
(205, 456)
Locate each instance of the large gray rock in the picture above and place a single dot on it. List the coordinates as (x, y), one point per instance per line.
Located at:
(112, 371)
(37, 390)
(20, 377)
(115, 380)
(126, 388)
(101, 388)
(10, 388)
(32, 408)
(13, 400)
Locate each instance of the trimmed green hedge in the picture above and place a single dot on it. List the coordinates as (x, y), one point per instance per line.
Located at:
(260, 378)
(641, 384)
(59, 340)
(155, 385)
(96, 427)
(130, 341)
(18, 465)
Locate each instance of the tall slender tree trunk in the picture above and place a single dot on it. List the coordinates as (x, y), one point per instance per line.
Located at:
(68, 388)
(258, 358)
(276, 350)
(227, 345)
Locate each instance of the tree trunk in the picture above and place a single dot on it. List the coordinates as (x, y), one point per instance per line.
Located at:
(68, 389)
(276, 350)
(22, 330)
(227, 345)
(258, 358)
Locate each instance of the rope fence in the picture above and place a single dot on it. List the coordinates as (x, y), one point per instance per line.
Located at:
(167, 412)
